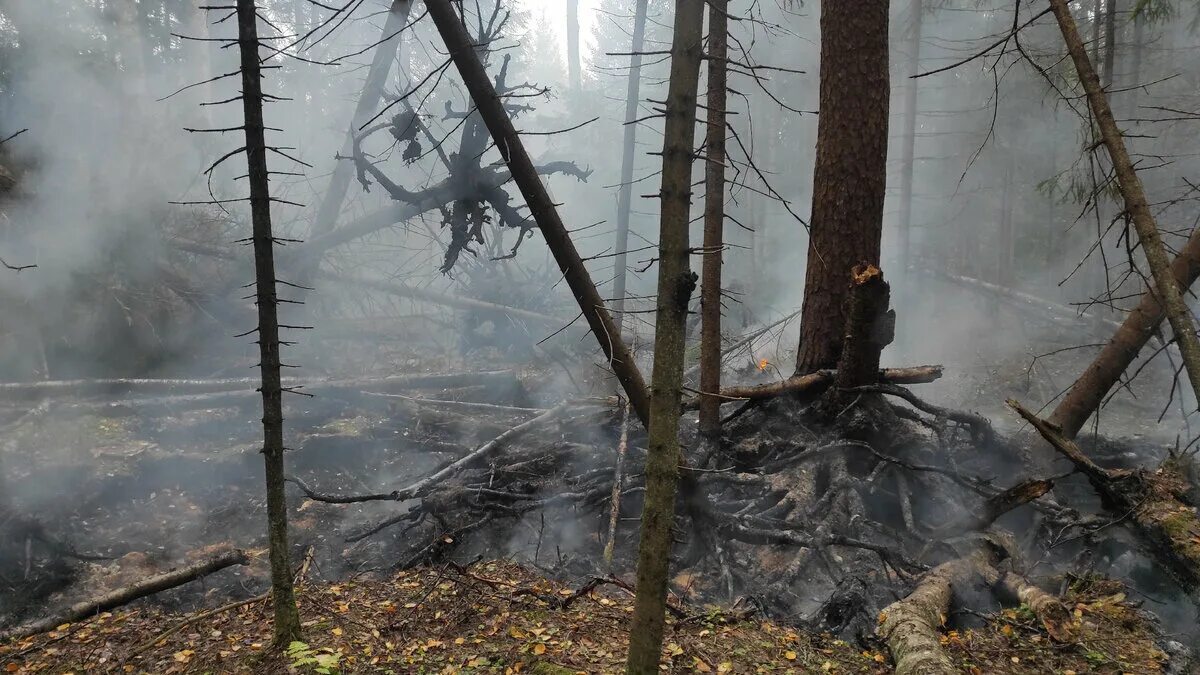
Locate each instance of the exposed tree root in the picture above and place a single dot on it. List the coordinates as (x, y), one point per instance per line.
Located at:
(815, 383)
(910, 626)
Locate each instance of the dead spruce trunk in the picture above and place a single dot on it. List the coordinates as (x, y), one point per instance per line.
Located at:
(870, 326)
(287, 618)
(714, 221)
(628, 154)
(1131, 189)
(541, 207)
(676, 282)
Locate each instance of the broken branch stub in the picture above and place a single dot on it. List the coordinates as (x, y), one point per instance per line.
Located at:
(541, 206)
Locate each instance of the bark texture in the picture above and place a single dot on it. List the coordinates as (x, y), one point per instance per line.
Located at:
(541, 206)
(628, 153)
(714, 220)
(1134, 195)
(851, 171)
(870, 326)
(287, 618)
(676, 282)
(1050, 611)
(911, 626)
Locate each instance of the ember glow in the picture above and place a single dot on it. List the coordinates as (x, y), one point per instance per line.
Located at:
(763, 364)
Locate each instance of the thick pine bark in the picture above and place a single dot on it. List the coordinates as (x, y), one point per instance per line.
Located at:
(629, 152)
(908, 151)
(851, 171)
(675, 285)
(287, 618)
(368, 102)
(1165, 285)
(714, 220)
(541, 207)
(573, 66)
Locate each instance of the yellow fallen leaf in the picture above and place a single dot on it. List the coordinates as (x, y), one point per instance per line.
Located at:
(516, 633)
(700, 666)
(725, 667)
(790, 655)
(674, 649)
(336, 631)
(63, 626)
(539, 649)
(879, 658)
(459, 641)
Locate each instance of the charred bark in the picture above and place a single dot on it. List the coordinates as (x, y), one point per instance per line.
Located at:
(851, 171)
(676, 282)
(714, 221)
(870, 326)
(287, 618)
(1130, 185)
(628, 154)
(541, 207)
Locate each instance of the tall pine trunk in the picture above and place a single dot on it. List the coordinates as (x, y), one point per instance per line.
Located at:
(287, 618)
(628, 154)
(851, 171)
(908, 149)
(573, 66)
(714, 221)
(676, 282)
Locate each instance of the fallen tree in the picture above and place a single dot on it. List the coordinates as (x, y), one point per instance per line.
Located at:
(127, 594)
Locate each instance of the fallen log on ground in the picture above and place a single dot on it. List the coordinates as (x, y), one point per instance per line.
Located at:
(910, 626)
(815, 383)
(1152, 500)
(1049, 610)
(126, 595)
(22, 391)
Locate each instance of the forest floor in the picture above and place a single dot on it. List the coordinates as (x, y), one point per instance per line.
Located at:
(499, 617)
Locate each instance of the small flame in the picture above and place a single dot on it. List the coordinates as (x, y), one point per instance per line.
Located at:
(763, 364)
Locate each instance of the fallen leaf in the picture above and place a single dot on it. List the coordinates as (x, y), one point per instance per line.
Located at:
(791, 655)
(336, 631)
(539, 649)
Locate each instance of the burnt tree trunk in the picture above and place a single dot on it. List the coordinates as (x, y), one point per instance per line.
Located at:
(368, 101)
(573, 67)
(851, 171)
(714, 221)
(541, 207)
(1165, 285)
(908, 151)
(870, 326)
(676, 282)
(628, 154)
(287, 618)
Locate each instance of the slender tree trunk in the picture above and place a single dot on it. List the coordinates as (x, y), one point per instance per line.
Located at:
(573, 66)
(1165, 285)
(851, 171)
(287, 618)
(541, 206)
(676, 282)
(714, 220)
(368, 103)
(1110, 41)
(628, 155)
(908, 152)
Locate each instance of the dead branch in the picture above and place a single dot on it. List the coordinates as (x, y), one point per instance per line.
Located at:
(814, 383)
(126, 595)
(997, 505)
(1152, 500)
(1050, 611)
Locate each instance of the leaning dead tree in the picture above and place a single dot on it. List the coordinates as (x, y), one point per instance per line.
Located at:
(1165, 285)
(676, 281)
(492, 111)
(287, 618)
